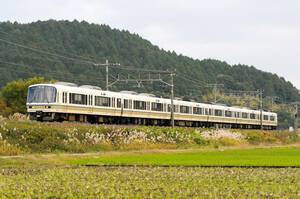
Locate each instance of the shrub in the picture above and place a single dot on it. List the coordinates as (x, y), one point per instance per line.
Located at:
(2, 118)
(36, 137)
(17, 117)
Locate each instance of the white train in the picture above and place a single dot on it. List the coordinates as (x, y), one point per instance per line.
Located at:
(67, 102)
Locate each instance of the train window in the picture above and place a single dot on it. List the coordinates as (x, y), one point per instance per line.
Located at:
(237, 114)
(228, 113)
(218, 112)
(252, 116)
(113, 104)
(119, 102)
(90, 100)
(245, 115)
(165, 107)
(126, 103)
(197, 110)
(266, 117)
(75, 98)
(156, 106)
(176, 108)
(169, 108)
(272, 118)
(64, 100)
(148, 106)
(206, 111)
(141, 105)
(210, 111)
(102, 101)
(184, 109)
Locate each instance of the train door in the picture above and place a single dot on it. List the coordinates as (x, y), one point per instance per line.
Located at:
(120, 105)
(90, 103)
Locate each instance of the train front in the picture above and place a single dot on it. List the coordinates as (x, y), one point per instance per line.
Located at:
(40, 99)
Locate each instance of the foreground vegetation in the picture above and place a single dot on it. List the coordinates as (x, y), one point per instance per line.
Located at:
(247, 157)
(21, 137)
(154, 182)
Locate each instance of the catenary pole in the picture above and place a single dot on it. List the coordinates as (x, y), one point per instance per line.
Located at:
(106, 65)
(261, 108)
(172, 99)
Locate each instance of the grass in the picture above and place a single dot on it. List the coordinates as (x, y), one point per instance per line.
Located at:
(154, 182)
(62, 176)
(250, 157)
(29, 137)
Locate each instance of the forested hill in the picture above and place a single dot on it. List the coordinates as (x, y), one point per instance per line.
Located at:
(62, 50)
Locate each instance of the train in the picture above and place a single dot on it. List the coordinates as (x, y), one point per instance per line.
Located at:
(64, 101)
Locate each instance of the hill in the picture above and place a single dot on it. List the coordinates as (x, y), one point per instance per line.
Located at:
(64, 50)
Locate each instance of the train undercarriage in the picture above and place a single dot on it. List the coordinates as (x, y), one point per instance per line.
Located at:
(102, 119)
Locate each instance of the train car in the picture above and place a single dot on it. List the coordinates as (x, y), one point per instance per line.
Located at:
(68, 102)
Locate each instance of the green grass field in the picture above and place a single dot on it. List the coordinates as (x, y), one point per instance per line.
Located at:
(250, 157)
(62, 176)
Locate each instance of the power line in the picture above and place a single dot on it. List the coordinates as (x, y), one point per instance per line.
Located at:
(46, 72)
(215, 88)
(22, 39)
(196, 82)
(118, 66)
(44, 52)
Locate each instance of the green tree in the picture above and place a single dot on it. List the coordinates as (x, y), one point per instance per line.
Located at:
(14, 95)
(4, 110)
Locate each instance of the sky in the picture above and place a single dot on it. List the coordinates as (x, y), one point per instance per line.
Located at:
(261, 33)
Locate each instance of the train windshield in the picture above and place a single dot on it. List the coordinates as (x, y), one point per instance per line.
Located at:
(41, 94)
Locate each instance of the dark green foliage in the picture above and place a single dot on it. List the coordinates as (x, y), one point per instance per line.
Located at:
(96, 43)
(14, 95)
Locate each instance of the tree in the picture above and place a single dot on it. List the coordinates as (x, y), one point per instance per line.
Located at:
(14, 95)
(4, 110)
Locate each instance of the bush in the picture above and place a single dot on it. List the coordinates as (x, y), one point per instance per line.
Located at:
(35, 137)
(17, 117)
(2, 118)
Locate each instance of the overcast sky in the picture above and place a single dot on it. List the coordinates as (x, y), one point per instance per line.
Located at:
(262, 33)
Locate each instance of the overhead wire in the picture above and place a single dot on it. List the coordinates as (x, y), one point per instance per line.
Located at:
(196, 82)
(130, 68)
(46, 71)
(71, 54)
(44, 52)
(89, 61)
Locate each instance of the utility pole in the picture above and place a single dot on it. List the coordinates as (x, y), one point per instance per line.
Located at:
(107, 64)
(272, 98)
(139, 81)
(296, 115)
(172, 99)
(215, 88)
(261, 107)
(296, 119)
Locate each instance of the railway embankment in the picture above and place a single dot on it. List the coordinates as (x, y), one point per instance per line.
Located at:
(18, 137)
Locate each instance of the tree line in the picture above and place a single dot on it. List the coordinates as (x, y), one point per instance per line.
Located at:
(83, 43)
